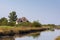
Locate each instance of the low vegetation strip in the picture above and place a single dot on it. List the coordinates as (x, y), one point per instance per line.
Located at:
(18, 28)
(14, 30)
(58, 38)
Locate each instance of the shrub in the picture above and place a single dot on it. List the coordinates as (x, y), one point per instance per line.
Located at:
(36, 24)
(3, 21)
(11, 23)
(24, 24)
(51, 25)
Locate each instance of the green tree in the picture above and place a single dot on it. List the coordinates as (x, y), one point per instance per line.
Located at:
(51, 25)
(12, 16)
(36, 24)
(3, 21)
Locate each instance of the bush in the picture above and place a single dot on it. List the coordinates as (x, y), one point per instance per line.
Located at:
(24, 24)
(51, 25)
(29, 24)
(11, 23)
(3, 21)
(36, 24)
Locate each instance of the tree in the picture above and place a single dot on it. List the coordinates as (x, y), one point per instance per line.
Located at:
(52, 25)
(3, 21)
(36, 24)
(12, 16)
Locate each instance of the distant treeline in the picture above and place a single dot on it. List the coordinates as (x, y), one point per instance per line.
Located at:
(11, 21)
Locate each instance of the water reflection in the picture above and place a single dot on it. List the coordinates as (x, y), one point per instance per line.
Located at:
(34, 35)
(45, 35)
(28, 36)
(7, 38)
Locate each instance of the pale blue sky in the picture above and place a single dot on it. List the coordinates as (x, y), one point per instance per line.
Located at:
(46, 11)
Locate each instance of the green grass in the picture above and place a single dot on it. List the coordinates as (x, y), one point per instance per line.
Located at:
(17, 29)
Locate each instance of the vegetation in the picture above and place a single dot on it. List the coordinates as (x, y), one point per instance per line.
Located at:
(3, 21)
(52, 25)
(36, 24)
(24, 24)
(29, 24)
(9, 25)
(12, 22)
(58, 38)
(12, 16)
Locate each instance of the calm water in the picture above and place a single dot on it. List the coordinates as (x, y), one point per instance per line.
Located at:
(45, 35)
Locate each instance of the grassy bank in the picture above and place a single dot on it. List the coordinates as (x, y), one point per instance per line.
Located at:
(7, 29)
(58, 38)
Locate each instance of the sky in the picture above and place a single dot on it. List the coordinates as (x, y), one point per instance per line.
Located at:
(45, 11)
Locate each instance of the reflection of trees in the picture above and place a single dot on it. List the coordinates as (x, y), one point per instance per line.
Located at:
(7, 38)
(34, 35)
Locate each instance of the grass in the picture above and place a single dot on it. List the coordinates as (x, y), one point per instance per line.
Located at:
(5, 28)
(58, 38)
(17, 29)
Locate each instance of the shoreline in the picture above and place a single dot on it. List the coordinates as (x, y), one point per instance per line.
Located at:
(20, 30)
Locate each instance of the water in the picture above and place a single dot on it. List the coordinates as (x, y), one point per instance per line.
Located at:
(45, 35)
